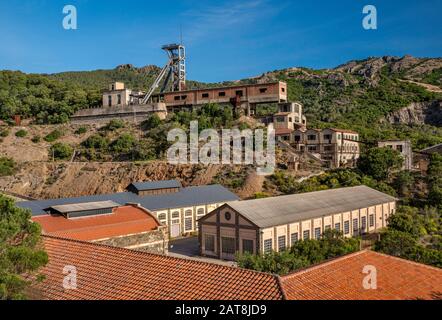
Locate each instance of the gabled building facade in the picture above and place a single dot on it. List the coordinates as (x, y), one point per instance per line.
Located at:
(276, 223)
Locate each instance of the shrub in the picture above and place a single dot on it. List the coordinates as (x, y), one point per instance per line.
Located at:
(21, 133)
(124, 144)
(114, 124)
(96, 141)
(7, 166)
(4, 132)
(61, 151)
(54, 135)
(36, 139)
(81, 130)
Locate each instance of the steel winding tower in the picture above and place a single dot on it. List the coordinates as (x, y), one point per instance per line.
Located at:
(174, 71)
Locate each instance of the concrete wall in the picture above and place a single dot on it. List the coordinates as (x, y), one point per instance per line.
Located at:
(155, 241)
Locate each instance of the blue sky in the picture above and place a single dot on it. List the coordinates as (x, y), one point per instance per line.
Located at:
(225, 40)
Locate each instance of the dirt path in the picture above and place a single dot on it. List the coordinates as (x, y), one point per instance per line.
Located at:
(429, 87)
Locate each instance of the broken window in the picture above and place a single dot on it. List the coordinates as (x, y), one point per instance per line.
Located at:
(205, 95)
(239, 93)
(222, 94)
(176, 98)
(262, 90)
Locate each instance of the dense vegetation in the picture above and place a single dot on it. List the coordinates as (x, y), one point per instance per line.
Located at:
(20, 253)
(302, 254)
(7, 166)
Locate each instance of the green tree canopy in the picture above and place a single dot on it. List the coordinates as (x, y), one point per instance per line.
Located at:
(380, 162)
(20, 251)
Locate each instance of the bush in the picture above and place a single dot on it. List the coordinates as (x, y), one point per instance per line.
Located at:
(96, 141)
(4, 132)
(81, 130)
(380, 162)
(152, 122)
(114, 124)
(124, 144)
(21, 133)
(61, 151)
(54, 135)
(7, 166)
(36, 139)
(301, 254)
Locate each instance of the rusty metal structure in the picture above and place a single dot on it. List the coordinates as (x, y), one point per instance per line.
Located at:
(173, 73)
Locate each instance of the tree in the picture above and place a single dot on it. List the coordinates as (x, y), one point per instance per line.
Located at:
(380, 162)
(20, 251)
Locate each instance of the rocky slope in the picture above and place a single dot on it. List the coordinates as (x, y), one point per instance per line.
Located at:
(418, 113)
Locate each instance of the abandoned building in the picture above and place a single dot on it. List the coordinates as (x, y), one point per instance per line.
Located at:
(404, 148)
(276, 223)
(178, 208)
(333, 147)
(130, 226)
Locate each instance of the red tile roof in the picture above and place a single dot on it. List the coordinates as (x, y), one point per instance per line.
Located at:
(124, 220)
(343, 130)
(342, 278)
(105, 272)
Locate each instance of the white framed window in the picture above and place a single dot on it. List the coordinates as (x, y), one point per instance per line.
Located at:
(346, 227)
(338, 226)
(306, 234)
(176, 215)
(317, 233)
(188, 224)
(371, 218)
(200, 212)
(281, 243)
(268, 247)
(363, 223)
(162, 217)
(355, 225)
(294, 237)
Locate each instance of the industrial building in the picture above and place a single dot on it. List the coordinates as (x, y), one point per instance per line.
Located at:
(403, 147)
(130, 226)
(276, 223)
(175, 206)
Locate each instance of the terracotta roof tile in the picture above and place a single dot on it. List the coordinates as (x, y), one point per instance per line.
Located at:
(105, 272)
(124, 220)
(342, 279)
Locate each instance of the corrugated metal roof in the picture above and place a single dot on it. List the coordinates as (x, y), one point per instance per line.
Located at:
(281, 210)
(190, 196)
(152, 185)
(85, 206)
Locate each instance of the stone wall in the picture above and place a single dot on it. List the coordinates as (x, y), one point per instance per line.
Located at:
(155, 241)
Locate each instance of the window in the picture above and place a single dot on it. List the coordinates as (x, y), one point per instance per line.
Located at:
(311, 137)
(200, 212)
(268, 245)
(311, 148)
(188, 213)
(239, 93)
(263, 90)
(119, 98)
(176, 98)
(327, 227)
(290, 119)
(109, 99)
(228, 216)
(355, 225)
(317, 233)
(327, 136)
(363, 223)
(280, 119)
(338, 226)
(328, 148)
(183, 97)
(222, 94)
(346, 227)
(188, 224)
(371, 217)
(175, 215)
(209, 242)
(162, 217)
(205, 95)
(113, 87)
(294, 237)
(297, 138)
(306, 234)
(281, 243)
(399, 148)
(247, 246)
(282, 89)
(228, 245)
